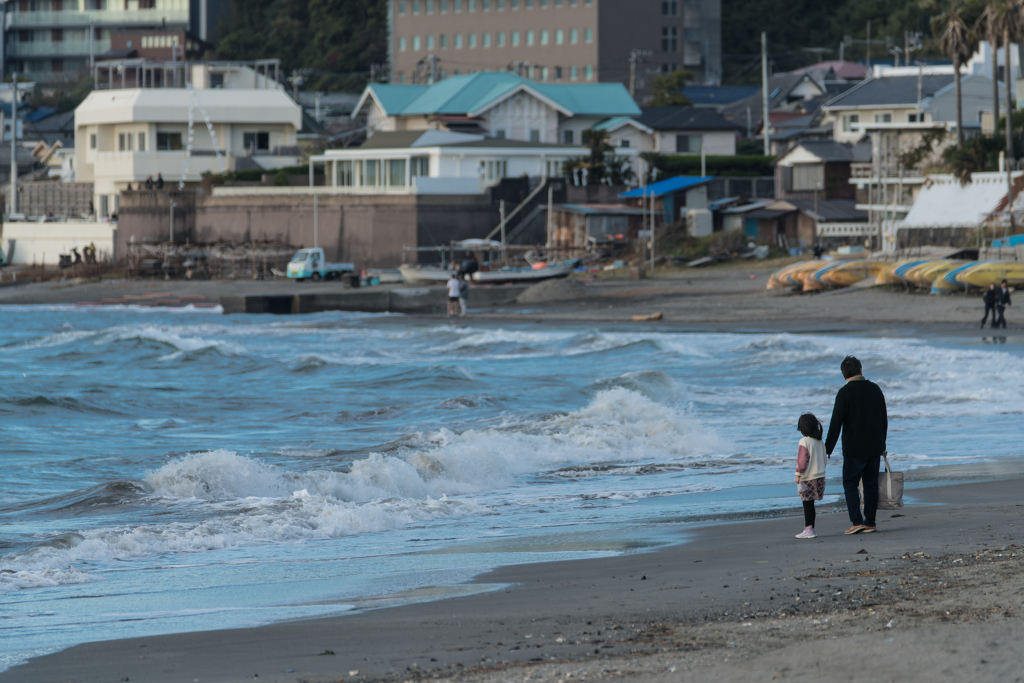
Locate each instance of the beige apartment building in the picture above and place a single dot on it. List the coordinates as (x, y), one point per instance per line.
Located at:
(555, 40)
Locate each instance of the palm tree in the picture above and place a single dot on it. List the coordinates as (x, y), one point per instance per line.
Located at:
(993, 34)
(597, 141)
(959, 42)
(1004, 18)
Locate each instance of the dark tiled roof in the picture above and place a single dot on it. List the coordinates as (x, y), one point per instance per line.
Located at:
(828, 150)
(24, 156)
(683, 118)
(710, 95)
(831, 209)
(891, 90)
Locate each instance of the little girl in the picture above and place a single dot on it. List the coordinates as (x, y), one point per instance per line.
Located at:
(810, 469)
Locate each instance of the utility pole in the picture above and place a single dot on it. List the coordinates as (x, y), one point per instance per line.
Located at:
(868, 58)
(14, 144)
(765, 127)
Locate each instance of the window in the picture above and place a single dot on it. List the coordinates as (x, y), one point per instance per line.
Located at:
(458, 41)
(568, 136)
(543, 73)
(515, 38)
(514, 4)
(529, 37)
(419, 166)
(345, 175)
(401, 78)
(808, 177)
(472, 5)
(558, 73)
(168, 142)
(543, 37)
(669, 8)
(472, 40)
(500, 134)
(529, 4)
(588, 35)
(625, 143)
(401, 44)
(589, 71)
(458, 6)
(430, 42)
(588, 3)
(444, 42)
(558, 3)
(689, 144)
(120, 143)
(501, 39)
(370, 174)
(416, 43)
(543, 3)
(534, 135)
(559, 37)
(216, 80)
(848, 121)
(430, 6)
(485, 5)
(486, 39)
(253, 142)
(574, 36)
(553, 168)
(401, 8)
(669, 39)
(573, 74)
(495, 170)
(883, 118)
(92, 141)
(396, 172)
(500, 4)
(57, 35)
(444, 6)
(415, 6)
(142, 142)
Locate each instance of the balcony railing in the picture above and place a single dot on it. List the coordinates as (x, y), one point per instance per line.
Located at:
(63, 48)
(142, 17)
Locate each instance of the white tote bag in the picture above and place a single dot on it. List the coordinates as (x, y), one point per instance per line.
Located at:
(890, 487)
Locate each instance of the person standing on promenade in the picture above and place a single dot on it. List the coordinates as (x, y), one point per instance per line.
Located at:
(991, 298)
(860, 415)
(1002, 301)
(453, 294)
(810, 469)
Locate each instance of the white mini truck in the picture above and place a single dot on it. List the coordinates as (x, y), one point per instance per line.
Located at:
(310, 263)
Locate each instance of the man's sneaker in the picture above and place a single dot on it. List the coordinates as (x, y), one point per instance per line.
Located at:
(855, 529)
(868, 529)
(807, 533)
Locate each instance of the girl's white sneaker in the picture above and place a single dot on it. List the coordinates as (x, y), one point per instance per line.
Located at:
(807, 533)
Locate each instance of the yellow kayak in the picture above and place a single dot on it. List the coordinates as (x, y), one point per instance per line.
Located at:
(800, 275)
(925, 274)
(985, 273)
(852, 272)
(787, 277)
(888, 276)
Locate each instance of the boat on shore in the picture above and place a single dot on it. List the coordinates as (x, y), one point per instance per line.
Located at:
(425, 275)
(527, 274)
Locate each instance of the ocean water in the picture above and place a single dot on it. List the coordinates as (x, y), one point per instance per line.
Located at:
(180, 470)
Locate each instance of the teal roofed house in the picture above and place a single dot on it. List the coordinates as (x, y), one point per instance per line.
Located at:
(496, 104)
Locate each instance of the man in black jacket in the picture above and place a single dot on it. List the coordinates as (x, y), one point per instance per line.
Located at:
(991, 300)
(1002, 301)
(860, 414)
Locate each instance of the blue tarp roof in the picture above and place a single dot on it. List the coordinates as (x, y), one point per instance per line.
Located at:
(40, 114)
(670, 186)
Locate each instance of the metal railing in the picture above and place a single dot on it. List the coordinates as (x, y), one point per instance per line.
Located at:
(59, 48)
(98, 17)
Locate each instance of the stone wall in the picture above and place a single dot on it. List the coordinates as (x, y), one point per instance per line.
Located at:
(369, 231)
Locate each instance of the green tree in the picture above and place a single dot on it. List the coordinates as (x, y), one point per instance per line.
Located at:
(597, 141)
(959, 42)
(668, 89)
(1003, 22)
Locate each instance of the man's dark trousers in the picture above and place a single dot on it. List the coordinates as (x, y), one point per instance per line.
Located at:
(853, 472)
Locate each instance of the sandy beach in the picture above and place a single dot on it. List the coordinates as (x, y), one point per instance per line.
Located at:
(936, 595)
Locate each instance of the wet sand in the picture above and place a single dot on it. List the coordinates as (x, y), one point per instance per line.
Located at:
(724, 298)
(937, 594)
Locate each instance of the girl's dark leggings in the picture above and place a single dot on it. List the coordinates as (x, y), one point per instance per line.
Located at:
(808, 513)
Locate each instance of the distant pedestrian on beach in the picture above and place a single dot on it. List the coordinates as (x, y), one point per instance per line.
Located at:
(463, 294)
(159, 181)
(860, 415)
(453, 294)
(1002, 301)
(810, 469)
(991, 298)
(149, 183)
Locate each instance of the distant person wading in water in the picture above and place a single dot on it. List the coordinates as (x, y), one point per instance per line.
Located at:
(861, 416)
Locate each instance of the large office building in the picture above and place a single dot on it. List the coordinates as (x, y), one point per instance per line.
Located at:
(628, 41)
(57, 41)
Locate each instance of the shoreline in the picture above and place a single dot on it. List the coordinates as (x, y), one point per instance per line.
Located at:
(645, 611)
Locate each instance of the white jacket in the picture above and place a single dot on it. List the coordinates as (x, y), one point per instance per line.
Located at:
(815, 467)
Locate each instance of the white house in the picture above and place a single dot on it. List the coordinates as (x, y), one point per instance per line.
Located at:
(434, 162)
(496, 104)
(124, 135)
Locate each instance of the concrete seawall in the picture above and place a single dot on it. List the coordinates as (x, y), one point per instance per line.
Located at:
(370, 300)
